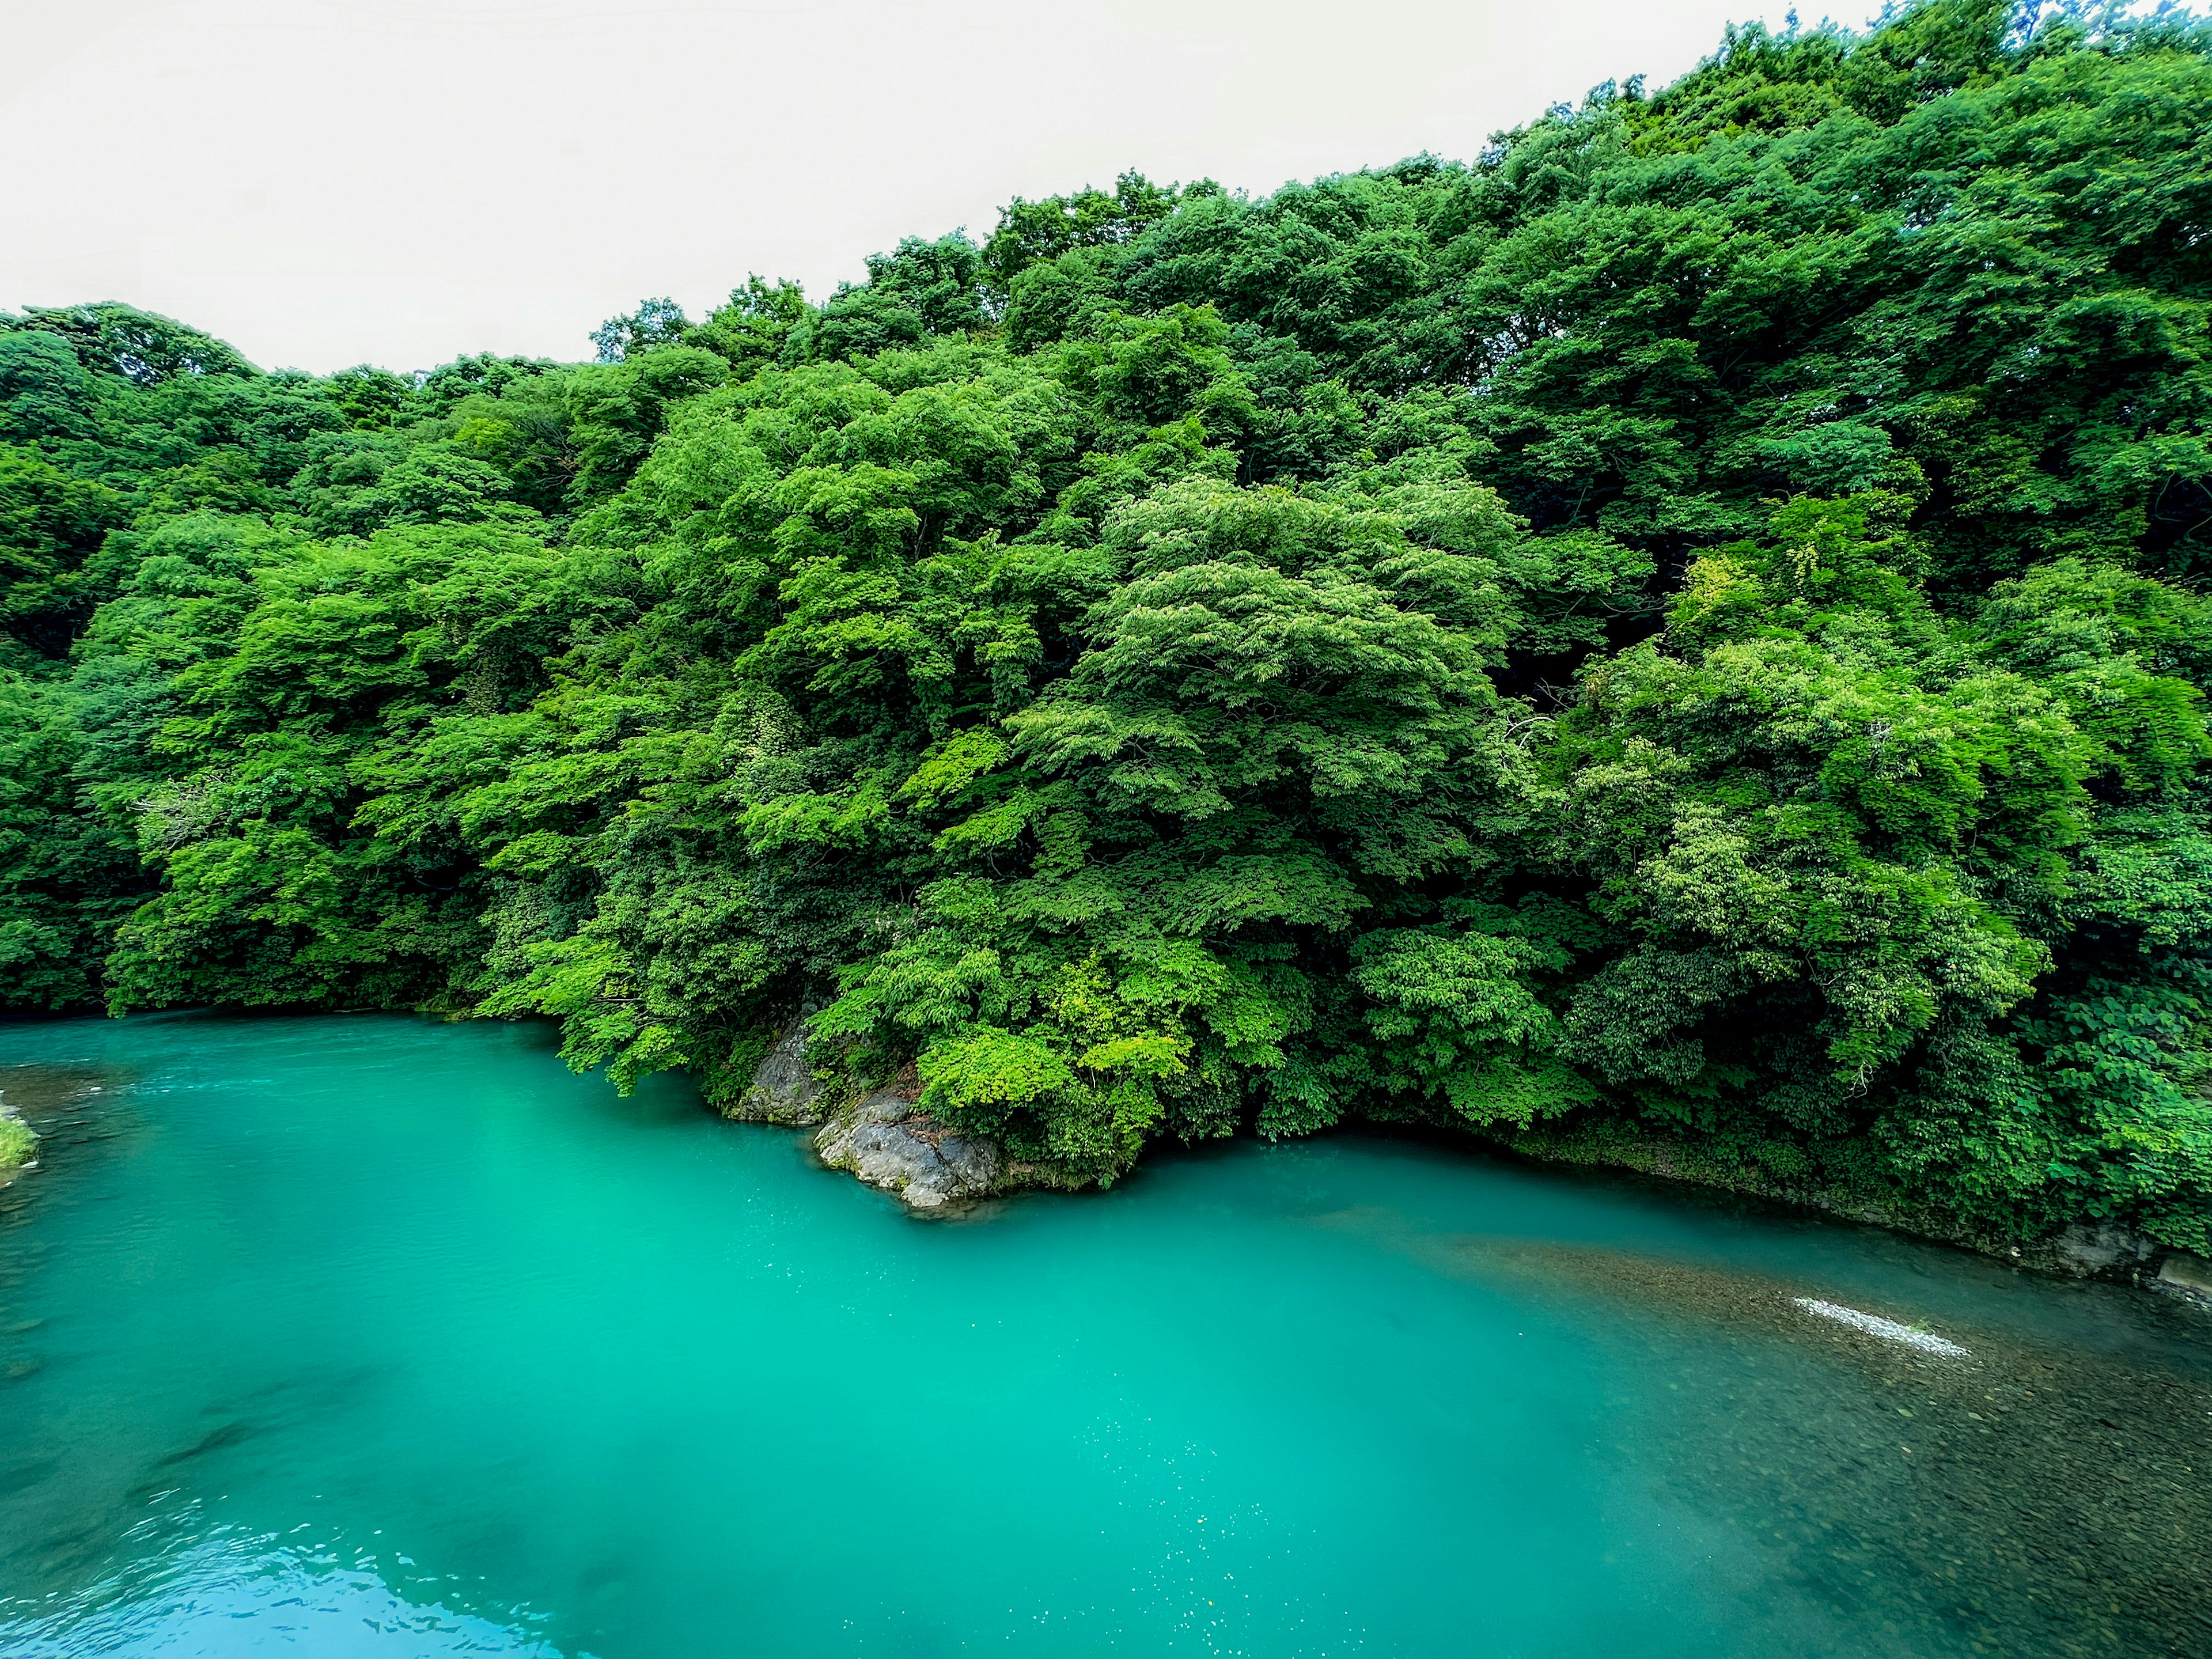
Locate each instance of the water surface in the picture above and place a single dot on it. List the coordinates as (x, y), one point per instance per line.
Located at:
(366, 1335)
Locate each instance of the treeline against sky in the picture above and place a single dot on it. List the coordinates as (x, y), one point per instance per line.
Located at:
(1687, 629)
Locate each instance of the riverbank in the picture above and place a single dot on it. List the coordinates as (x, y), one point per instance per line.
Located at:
(883, 1139)
(2113, 1253)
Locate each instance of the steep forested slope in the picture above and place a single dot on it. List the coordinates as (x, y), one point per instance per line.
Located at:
(1685, 628)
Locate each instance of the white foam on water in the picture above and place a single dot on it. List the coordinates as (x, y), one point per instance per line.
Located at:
(1888, 1329)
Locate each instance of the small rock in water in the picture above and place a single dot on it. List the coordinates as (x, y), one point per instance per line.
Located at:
(1888, 1329)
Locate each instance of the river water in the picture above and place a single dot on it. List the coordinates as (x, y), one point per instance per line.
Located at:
(364, 1335)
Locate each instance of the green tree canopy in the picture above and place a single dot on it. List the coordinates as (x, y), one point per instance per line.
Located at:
(1683, 630)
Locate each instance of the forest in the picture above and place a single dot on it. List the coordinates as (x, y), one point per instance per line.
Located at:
(1680, 637)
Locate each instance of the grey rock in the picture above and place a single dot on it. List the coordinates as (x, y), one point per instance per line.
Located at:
(2088, 1251)
(888, 1143)
(2190, 1274)
(783, 1089)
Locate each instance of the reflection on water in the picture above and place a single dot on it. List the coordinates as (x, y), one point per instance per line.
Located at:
(363, 1335)
(193, 1585)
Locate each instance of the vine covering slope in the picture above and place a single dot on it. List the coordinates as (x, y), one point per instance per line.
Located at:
(1688, 623)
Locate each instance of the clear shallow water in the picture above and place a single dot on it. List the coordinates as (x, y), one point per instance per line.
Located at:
(363, 1335)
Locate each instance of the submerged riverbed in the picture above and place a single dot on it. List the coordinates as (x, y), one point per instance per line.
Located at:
(371, 1336)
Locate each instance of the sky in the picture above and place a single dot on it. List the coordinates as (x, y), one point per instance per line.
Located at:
(401, 181)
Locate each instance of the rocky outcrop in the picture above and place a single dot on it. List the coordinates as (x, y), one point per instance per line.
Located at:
(784, 1088)
(886, 1140)
(2102, 1252)
(883, 1138)
(2187, 1275)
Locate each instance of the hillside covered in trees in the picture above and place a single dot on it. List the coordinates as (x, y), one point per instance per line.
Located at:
(1685, 629)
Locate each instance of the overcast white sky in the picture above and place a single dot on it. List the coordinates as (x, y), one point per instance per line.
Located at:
(399, 181)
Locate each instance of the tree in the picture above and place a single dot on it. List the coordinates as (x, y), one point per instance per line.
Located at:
(1676, 639)
(654, 323)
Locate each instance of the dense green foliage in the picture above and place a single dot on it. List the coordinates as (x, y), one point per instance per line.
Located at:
(1687, 626)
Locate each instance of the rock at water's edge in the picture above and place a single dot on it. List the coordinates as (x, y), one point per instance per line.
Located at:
(2082, 1250)
(784, 1088)
(888, 1143)
(2188, 1274)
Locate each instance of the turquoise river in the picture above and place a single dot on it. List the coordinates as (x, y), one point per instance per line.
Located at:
(365, 1335)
